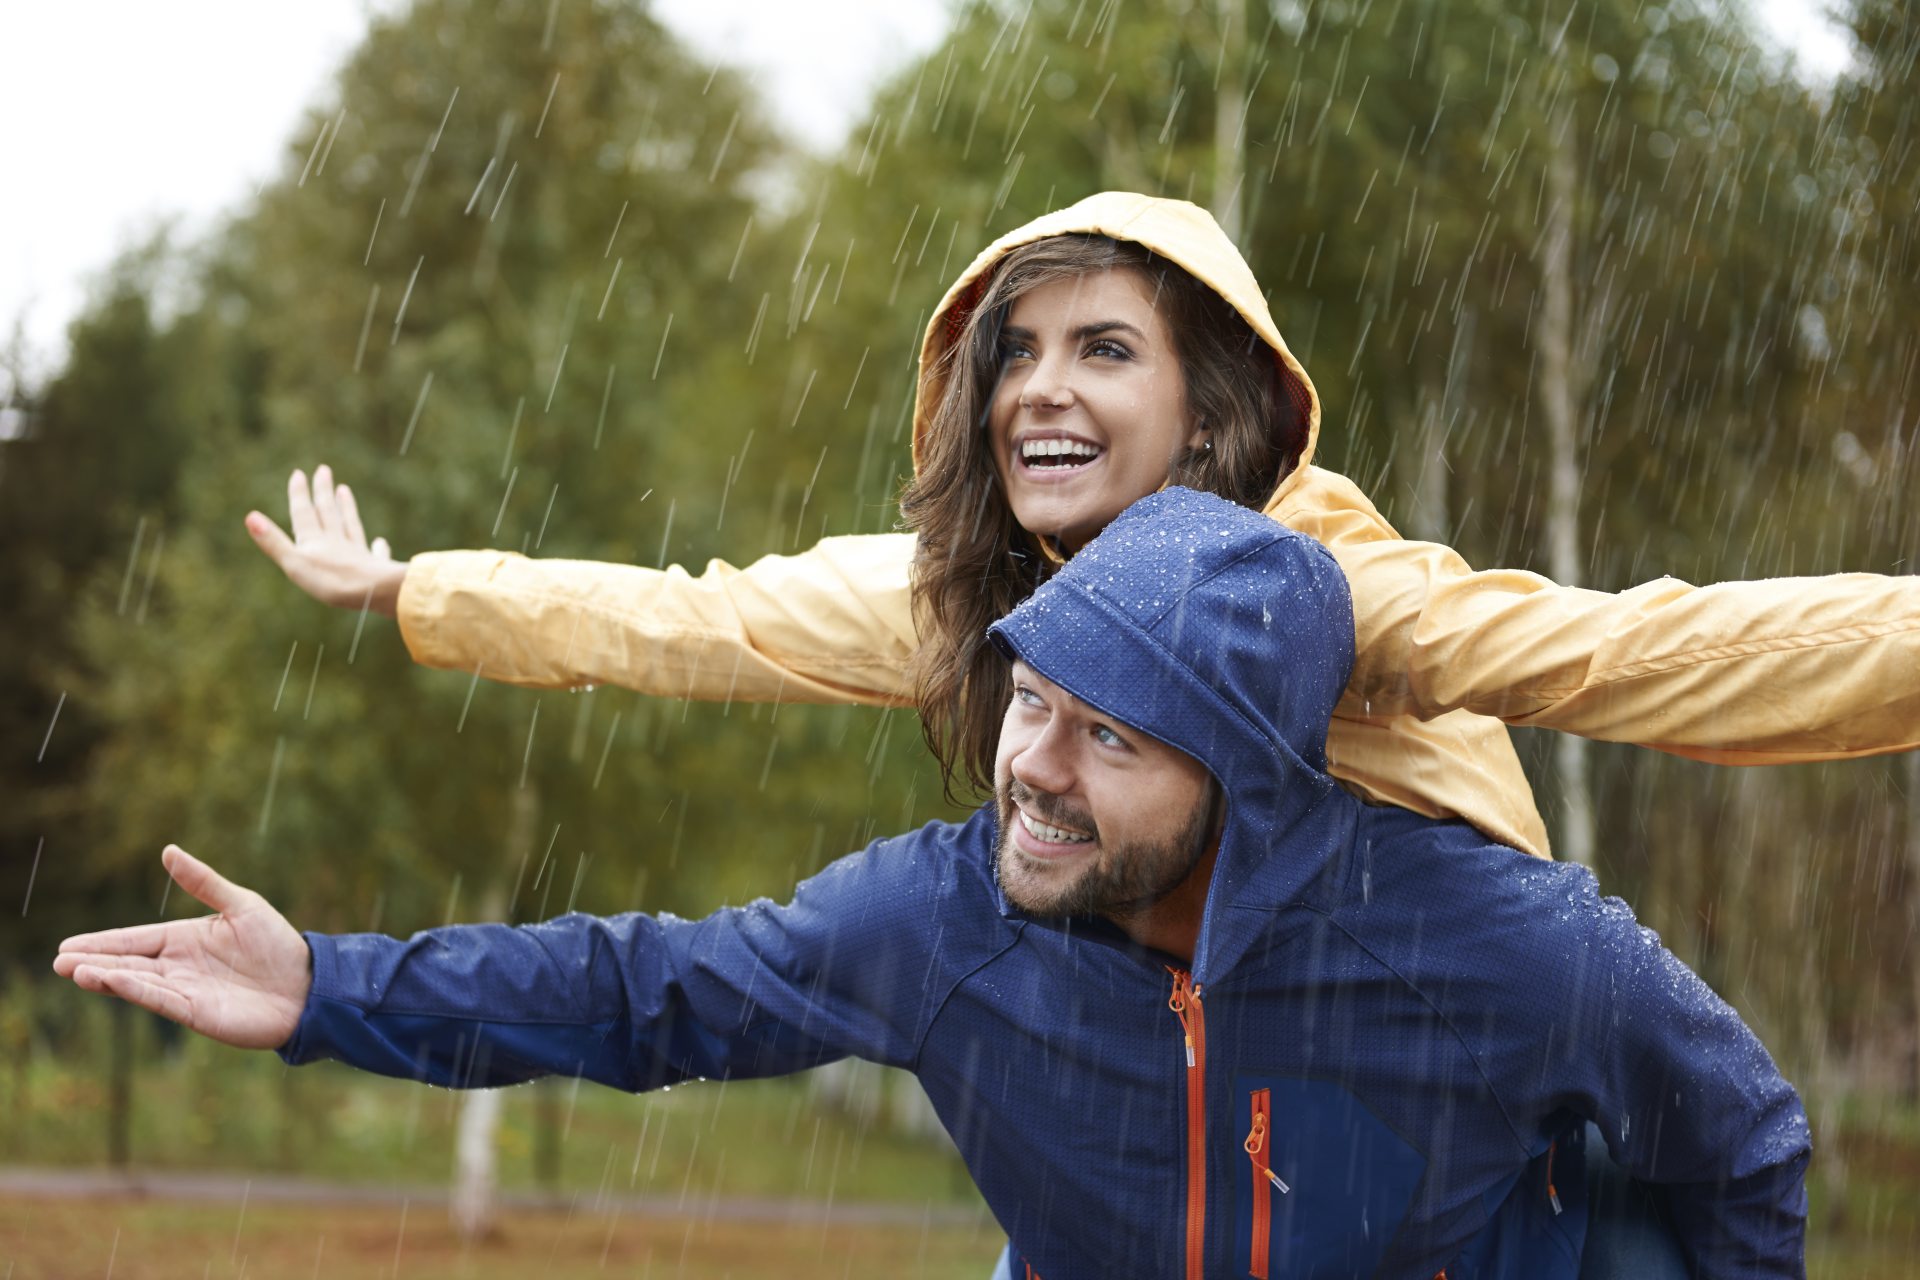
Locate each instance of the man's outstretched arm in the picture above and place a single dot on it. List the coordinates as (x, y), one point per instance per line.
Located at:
(630, 1001)
(240, 976)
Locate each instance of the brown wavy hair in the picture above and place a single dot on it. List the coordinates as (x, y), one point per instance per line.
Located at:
(974, 562)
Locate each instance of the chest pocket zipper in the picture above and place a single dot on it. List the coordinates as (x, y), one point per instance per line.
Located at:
(1258, 1147)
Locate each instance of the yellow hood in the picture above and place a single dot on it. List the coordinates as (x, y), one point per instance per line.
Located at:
(1182, 233)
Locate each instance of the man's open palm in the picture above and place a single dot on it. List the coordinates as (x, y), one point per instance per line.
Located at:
(240, 977)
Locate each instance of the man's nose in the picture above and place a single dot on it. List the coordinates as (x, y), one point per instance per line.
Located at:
(1044, 764)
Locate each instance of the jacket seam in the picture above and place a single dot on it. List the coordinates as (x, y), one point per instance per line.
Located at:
(1624, 672)
(637, 619)
(1493, 1090)
(933, 1015)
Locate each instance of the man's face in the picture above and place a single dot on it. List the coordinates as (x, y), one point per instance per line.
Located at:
(1096, 817)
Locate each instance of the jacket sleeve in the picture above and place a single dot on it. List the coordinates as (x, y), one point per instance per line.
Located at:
(1684, 1093)
(832, 624)
(1764, 672)
(637, 1001)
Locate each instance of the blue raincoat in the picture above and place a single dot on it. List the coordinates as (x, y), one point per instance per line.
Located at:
(1379, 1062)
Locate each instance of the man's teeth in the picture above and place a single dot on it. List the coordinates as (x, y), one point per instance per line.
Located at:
(1070, 452)
(1052, 835)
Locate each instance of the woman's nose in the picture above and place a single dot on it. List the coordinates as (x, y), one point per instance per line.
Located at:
(1048, 385)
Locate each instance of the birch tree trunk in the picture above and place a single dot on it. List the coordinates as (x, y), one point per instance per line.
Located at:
(1230, 120)
(1560, 398)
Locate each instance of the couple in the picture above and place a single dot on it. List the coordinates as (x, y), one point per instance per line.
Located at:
(1080, 363)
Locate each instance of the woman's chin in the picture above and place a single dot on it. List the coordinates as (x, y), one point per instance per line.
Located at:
(1068, 523)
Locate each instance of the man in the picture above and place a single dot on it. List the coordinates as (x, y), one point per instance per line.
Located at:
(1184, 1005)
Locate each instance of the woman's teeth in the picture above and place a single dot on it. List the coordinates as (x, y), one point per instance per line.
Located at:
(1052, 835)
(1058, 453)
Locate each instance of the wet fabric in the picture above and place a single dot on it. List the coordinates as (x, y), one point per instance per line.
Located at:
(1415, 1024)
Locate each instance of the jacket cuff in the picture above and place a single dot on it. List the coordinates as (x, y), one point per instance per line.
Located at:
(300, 1046)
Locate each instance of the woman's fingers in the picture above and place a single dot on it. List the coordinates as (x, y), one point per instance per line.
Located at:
(201, 880)
(300, 513)
(350, 517)
(381, 550)
(324, 503)
(269, 537)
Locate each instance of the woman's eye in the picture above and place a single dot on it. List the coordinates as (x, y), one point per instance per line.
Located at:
(1026, 696)
(1012, 351)
(1110, 349)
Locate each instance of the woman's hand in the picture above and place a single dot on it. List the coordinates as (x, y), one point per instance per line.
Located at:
(328, 556)
(240, 977)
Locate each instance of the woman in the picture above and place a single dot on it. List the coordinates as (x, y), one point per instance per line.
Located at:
(1443, 653)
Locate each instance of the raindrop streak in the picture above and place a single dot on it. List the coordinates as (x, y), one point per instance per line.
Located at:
(273, 781)
(601, 314)
(616, 229)
(856, 377)
(479, 186)
(551, 90)
(740, 248)
(406, 297)
(527, 756)
(554, 386)
(319, 140)
(514, 434)
(56, 720)
(605, 397)
(126, 581)
(501, 513)
(35, 869)
(313, 680)
(663, 345)
(471, 686)
(541, 536)
(419, 404)
(726, 141)
(285, 672)
(366, 323)
(505, 187)
(359, 625)
(153, 569)
(605, 750)
(371, 236)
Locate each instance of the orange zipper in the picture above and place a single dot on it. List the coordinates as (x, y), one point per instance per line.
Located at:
(1185, 1003)
(1257, 1148)
(1553, 1197)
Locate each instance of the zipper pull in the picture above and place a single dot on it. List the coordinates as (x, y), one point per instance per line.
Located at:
(1257, 1138)
(1274, 1178)
(1553, 1196)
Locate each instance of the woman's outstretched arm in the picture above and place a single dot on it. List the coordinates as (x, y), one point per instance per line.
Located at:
(1772, 671)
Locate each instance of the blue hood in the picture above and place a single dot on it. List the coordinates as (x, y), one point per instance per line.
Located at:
(1169, 622)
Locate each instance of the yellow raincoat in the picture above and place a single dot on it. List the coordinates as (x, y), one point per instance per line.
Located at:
(1766, 672)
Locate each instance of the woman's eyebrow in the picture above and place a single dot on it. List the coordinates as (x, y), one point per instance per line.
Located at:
(1083, 332)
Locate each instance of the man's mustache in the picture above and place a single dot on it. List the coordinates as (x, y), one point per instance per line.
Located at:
(1049, 808)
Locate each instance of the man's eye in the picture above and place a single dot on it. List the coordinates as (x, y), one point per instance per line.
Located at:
(1107, 737)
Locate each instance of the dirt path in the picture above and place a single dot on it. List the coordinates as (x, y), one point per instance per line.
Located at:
(25, 1182)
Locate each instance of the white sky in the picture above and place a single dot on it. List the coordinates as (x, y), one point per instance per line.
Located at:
(118, 114)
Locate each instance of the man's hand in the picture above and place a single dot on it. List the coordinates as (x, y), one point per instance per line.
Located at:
(240, 977)
(328, 556)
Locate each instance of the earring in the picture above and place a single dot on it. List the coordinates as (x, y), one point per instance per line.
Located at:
(1206, 446)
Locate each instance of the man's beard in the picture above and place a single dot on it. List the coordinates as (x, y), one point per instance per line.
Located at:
(1121, 880)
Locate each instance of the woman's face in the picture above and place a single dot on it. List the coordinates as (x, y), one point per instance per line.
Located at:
(1091, 407)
